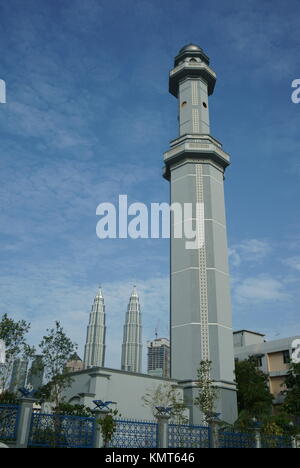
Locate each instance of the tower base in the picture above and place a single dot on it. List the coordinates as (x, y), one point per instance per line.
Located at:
(226, 405)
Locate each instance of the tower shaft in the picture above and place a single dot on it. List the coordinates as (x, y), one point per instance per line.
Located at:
(94, 354)
(132, 337)
(201, 319)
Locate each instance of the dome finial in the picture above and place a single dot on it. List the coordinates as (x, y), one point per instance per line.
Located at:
(193, 51)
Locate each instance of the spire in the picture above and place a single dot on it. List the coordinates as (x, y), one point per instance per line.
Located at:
(132, 339)
(134, 292)
(100, 293)
(94, 353)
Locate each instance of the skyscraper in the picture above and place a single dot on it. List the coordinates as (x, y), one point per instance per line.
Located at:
(132, 337)
(201, 319)
(94, 353)
(19, 375)
(36, 373)
(159, 357)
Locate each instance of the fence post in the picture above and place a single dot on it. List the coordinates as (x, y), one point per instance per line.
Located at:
(214, 434)
(257, 439)
(24, 421)
(163, 431)
(294, 442)
(98, 439)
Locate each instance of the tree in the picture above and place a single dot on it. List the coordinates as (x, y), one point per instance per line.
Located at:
(166, 396)
(253, 393)
(13, 333)
(56, 350)
(292, 383)
(108, 425)
(207, 392)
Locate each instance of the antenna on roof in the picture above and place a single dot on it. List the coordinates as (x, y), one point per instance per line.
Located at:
(156, 329)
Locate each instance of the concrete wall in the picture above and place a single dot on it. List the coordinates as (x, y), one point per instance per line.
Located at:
(124, 388)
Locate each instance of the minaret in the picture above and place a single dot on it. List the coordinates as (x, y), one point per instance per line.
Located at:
(132, 338)
(201, 319)
(94, 353)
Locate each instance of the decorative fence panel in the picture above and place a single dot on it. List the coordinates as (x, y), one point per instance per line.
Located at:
(134, 434)
(9, 417)
(271, 441)
(57, 431)
(184, 436)
(236, 440)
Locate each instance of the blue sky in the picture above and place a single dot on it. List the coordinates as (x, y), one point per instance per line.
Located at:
(88, 117)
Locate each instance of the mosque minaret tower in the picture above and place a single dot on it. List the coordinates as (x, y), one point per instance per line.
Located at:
(94, 353)
(201, 318)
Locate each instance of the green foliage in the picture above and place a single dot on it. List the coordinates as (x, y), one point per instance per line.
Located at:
(207, 393)
(276, 425)
(72, 410)
(253, 393)
(292, 383)
(13, 333)
(108, 425)
(56, 350)
(8, 398)
(167, 396)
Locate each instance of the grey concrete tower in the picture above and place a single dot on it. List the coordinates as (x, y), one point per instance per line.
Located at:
(19, 375)
(201, 319)
(132, 337)
(94, 353)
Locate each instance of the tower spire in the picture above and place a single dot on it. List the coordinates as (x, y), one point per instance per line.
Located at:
(132, 337)
(94, 354)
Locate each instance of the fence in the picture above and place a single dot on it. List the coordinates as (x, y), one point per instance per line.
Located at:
(9, 415)
(22, 425)
(185, 436)
(236, 440)
(135, 434)
(57, 431)
(271, 441)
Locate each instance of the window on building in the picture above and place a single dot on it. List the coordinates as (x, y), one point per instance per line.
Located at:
(286, 357)
(259, 361)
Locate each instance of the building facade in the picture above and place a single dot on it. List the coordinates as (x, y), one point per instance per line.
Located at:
(125, 389)
(273, 357)
(131, 360)
(159, 357)
(201, 318)
(19, 375)
(75, 364)
(94, 353)
(36, 373)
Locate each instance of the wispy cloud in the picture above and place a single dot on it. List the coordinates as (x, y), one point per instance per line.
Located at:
(260, 289)
(249, 250)
(293, 262)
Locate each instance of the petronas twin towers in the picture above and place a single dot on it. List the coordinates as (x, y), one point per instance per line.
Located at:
(94, 354)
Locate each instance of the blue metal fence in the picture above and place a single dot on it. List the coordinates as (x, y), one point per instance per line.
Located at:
(272, 441)
(134, 434)
(185, 436)
(57, 431)
(9, 416)
(236, 440)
